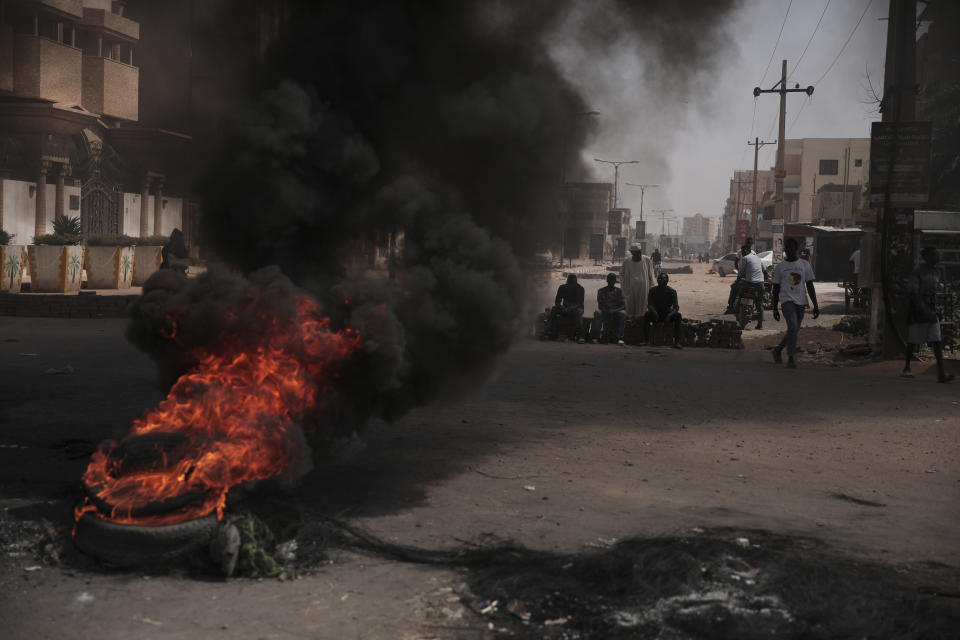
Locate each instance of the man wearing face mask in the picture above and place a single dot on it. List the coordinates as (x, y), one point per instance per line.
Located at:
(923, 323)
(663, 306)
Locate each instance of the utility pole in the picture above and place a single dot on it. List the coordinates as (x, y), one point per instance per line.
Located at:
(643, 188)
(663, 218)
(846, 178)
(663, 222)
(738, 208)
(780, 173)
(756, 144)
(896, 224)
(616, 174)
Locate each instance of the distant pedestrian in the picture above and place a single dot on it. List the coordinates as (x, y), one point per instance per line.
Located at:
(611, 307)
(792, 281)
(923, 323)
(855, 265)
(638, 279)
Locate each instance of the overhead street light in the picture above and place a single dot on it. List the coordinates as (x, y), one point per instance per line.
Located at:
(616, 174)
(643, 189)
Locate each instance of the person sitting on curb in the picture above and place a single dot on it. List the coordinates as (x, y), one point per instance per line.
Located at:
(789, 278)
(923, 324)
(663, 306)
(610, 306)
(175, 254)
(568, 304)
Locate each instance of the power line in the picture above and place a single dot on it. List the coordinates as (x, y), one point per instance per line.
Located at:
(809, 100)
(865, 9)
(772, 53)
(800, 59)
(799, 111)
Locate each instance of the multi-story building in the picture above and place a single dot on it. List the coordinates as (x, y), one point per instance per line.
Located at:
(739, 203)
(584, 210)
(699, 228)
(824, 164)
(69, 115)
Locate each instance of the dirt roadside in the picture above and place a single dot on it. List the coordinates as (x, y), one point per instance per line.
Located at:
(566, 445)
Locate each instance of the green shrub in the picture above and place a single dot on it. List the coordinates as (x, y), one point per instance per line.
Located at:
(61, 239)
(64, 226)
(109, 240)
(151, 241)
(5, 237)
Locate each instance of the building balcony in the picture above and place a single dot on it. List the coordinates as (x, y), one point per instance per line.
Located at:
(47, 70)
(111, 88)
(64, 8)
(112, 23)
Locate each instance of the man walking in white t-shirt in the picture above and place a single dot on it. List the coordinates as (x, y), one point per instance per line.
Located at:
(792, 281)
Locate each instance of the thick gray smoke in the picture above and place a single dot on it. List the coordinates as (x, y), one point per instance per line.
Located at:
(449, 121)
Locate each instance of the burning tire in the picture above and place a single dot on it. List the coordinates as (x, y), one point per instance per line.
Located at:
(142, 453)
(126, 545)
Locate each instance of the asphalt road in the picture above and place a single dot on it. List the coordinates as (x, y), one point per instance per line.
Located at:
(564, 445)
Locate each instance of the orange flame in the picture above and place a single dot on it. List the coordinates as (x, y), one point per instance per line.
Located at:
(240, 409)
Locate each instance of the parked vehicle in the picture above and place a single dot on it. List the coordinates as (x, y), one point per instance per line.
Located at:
(766, 259)
(726, 264)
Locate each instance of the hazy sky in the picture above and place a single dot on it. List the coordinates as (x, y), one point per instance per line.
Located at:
(691, 136)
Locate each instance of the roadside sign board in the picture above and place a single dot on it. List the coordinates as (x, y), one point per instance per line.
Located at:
(596, 246)
(776, 229)
(571, 244)
(621, 249)
(865, 216)
(900, 163)
(743, 231)
(641, 229)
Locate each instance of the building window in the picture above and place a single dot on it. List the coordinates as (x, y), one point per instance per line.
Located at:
(858, 162)
(829, 167)
(74, 203)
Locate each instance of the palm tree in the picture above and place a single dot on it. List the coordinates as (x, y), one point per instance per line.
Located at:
(12, 268)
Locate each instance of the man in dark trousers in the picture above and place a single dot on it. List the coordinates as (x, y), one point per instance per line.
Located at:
(663, 306)
(792, 282)
(611, 307)
(923, 324)
(567, 305)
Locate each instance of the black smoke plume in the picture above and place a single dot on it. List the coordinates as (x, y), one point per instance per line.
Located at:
(446, 121)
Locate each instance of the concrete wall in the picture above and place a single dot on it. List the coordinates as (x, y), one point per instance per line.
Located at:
(130, 215)
(802, 161)
(20, 207)
(172, 214)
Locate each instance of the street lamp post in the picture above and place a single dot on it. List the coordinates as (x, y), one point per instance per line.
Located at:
(643, 189)
(616, 174)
